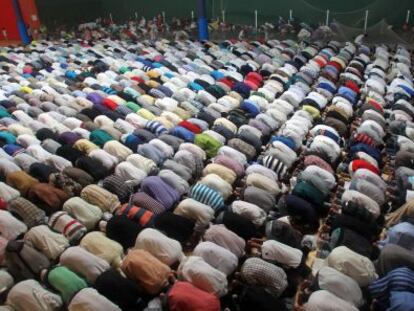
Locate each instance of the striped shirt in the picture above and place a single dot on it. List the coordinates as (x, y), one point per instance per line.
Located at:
(206, 195)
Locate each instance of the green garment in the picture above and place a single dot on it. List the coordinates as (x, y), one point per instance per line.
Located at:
(310, 193)
(4, 114)
(66, 282)
(208, 143)
(100, 137)
(133, 106)
(7, 137)
(123, 69)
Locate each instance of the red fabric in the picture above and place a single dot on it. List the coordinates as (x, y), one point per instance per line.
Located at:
(138, 79)
(252, 84)
(227, 82)
(357, 164)
(109, 103)
(254, 76)
(3, 204)
(8, 20)
(320, 61)
(375, 104)
(29, 13)
(184, 296)
(364, 138)
(137, 214)
(352, 85)
(190, 126)
(336, 65)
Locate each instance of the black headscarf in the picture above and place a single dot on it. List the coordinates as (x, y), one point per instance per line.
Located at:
(123, 230)
(120, 290)
(41, 171)
(175, 226)
(239, 225)
(92, 166)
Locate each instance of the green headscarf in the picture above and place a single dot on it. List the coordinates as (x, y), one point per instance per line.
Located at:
(66, 282)
(133, 106)
(208, 143)
(7, 137)
(100, 137)
(310, 193)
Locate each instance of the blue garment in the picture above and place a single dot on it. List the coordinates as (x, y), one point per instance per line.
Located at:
(217, 75)
(326, 86)
(132, 142)
(183, 133)
(397, 280)
(348, 94)
(410, 91)
(7, 137)
(286, 140)
(13, 149)
(401, 234)
(372, 151)
(242, 88)
(329, 134)
(401, 301)
(169, 75)
(70, 74)
(251, 108)
(195, 86)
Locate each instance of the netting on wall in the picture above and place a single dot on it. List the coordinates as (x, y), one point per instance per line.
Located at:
(380, 32)
(350, 12)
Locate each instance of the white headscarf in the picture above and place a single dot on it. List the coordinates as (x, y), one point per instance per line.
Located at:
(356, 266)
(322, 300)
(165, 249)
(249, 211)
(195, 270)
(83, 263)
(10, 227)
(281, 253)
(128, 171)
(30, 295)
(107, 160)
(201, 213)
(217, 257)
(50, 243)
(88, 299)
(217, 183)
(340, 285)
(8, 193)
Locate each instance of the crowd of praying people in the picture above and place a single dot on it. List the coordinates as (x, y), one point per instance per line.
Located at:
(205, 176)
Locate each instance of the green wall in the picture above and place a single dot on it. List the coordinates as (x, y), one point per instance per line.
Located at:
(349, 12)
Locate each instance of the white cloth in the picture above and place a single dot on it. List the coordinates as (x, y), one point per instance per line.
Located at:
(281, 253)
(128, 171)
(10, 226)
(195, 270)
(165, 249)
(30, 295)
(50, 243)
(249, 211)
(356, 266)
(8, 193)
(201, 213)
(88, 299)
(340, 285)
(322, 300)
(217, 257)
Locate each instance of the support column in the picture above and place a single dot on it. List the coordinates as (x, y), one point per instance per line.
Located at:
(20, 23)
(202, 20)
